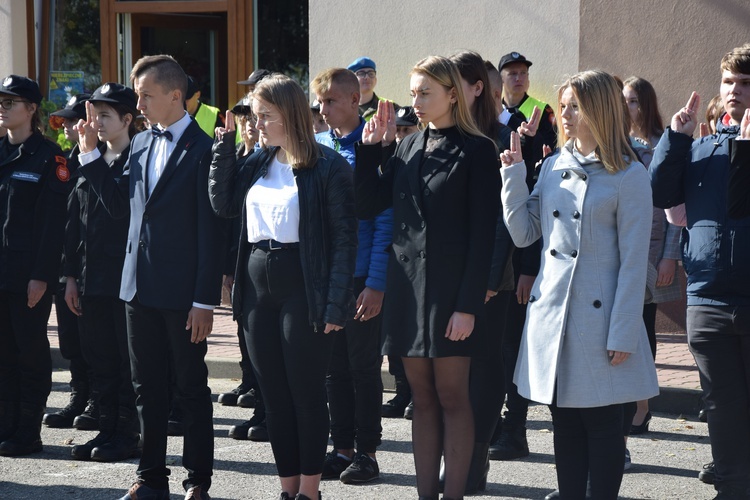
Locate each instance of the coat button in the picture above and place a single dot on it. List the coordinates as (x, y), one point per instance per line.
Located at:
(141, 244)
(565, 175)
(422, 224)
(574, 254)
(584, 177)
(403, 225)
(145, 216)
(532, 298)
(421, 254)
(576, 214)
(402, 195)
(597, 303)
(553, 252)
(426, 192)
(402, 257)
(555, 213)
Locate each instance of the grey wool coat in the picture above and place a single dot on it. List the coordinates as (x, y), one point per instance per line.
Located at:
(588, 296)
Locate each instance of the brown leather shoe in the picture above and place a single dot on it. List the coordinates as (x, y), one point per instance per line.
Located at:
(140, 491)
(197, 493)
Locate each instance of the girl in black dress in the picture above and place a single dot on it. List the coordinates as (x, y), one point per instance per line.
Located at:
(442, 184)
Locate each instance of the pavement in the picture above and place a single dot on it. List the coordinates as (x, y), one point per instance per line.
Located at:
(666, 460)
(678, 376)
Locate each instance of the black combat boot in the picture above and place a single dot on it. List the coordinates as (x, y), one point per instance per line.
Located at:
(27, 439)
(126, 442)
(8, 419)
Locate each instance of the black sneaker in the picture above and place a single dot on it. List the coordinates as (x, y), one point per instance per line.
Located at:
(708, 474)
(334, 465)
(362, 470)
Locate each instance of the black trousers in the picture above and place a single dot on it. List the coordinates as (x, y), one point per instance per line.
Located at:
(589, 443)
(69, 337)
(155, 335)
(104, 341)
(515, 317)
(354, 384)
(719, 338)
(487, 380)
(25, 363)
(290, 359)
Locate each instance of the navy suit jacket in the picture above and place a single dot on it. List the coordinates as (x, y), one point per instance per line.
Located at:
(175, 248)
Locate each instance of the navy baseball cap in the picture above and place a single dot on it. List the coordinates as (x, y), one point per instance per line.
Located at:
(255, 77)
(513, 57)
(75, 108)
(243, 106)
(361, 63)
(115, 93)
(21, 86)
(406, 117)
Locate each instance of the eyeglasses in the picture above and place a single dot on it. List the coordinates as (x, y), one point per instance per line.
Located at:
(365, 74)
(7, 104)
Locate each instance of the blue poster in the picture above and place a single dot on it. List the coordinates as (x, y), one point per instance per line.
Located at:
(63, 85)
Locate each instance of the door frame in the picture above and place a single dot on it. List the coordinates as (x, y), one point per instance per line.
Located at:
(240, 48)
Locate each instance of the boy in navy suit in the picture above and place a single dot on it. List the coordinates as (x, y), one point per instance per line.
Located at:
(171, 277)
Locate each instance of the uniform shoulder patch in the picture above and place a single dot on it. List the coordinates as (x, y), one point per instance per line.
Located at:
(62, 172)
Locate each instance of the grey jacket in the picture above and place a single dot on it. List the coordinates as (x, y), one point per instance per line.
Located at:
(588, 296)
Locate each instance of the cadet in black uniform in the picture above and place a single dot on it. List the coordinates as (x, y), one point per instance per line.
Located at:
(81, 411)
(33, 189)
(94, 253)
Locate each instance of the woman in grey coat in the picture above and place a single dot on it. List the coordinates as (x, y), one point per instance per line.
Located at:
(584, 349)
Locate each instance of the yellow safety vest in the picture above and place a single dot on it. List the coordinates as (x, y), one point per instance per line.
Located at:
(528, 106)
(206, 118)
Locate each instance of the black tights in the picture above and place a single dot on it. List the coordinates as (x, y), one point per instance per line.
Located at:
(443, 423)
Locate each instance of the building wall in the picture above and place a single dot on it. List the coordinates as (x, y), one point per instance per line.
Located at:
(677, 45)
(13, 44)
(398, 33)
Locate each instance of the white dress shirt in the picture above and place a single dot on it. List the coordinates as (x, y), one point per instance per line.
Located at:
(272, 206)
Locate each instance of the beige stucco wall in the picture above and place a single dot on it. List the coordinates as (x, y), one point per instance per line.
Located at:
(398, 33)
(675, 44)
(13, 46)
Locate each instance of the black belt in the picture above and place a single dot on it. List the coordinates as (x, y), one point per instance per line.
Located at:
(275, 245)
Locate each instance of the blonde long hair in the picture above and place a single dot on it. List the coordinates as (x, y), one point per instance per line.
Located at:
(288, 97)
(445, 72)
(601, 106)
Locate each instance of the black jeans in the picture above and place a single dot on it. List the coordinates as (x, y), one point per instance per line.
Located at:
(155, 336)
(589, 442)
(25, 363)
(290, 359)
(719, 338)
(104, 340)
(354, 384)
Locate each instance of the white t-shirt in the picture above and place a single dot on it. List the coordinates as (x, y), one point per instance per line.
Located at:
(272, 206)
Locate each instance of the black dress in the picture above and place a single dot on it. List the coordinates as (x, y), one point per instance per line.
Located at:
(443, 186)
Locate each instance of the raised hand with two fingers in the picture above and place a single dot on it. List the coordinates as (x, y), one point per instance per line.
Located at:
(88, 138)
(513, 155)
(529, 128)
(377, 128)
(685, 120)
(229, 126)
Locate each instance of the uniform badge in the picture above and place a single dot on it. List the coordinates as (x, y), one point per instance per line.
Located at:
(401, 113)
(105, 89)
(515, 55)
(72, 101)
(7, 82)
(62, 172)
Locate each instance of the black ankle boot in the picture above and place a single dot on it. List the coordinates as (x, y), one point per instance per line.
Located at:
(478, 470)
(8, 419)
(64, 418)
(88, 420)
(300, 496)
(512, 444)
(125, 442)
(27, 437)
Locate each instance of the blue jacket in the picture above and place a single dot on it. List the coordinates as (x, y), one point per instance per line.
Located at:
(715, 247)
(374, 235)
